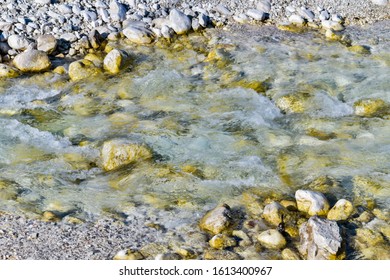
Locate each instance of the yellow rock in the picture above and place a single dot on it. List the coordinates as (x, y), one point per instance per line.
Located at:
(186, 253)
(342, 210)
(291, 28)
(128, 255)
(221, 255)
(290, 255)
(293, 103)
(60, 70)
(332, 35)
(216, 220)
(117, 153)
(273, 213)
(382, 214)
(359, 49)
(289, 205)
(115, 61)
(49, 216)
(222, 241)
(293, 231)
(82, 69)
(7, 71)
(366, 238)
(95, 58)
(7, 191)
(371, 108)
(272, 239)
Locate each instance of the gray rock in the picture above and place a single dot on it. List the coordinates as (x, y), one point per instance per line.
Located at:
(100, 4)
(95, 39)
(43, 2)
(18, 42)
(179, 22)
(320, 239)
(307, 14)
(196, 25)
(223, 10)
(272, 239)
(46, 43)
(204, 20)
(296, 19)
(32, 61)
(217, 220)
(117, 11)
(64, 9)
(4, 48)
(256, 14)
(70, 37)
(264, 6)
(138, 34)
(241, 18)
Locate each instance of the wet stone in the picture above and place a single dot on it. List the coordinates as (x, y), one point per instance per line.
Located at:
(217, 220)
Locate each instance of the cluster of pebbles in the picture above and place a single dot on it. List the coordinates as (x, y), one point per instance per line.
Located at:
(70, 28)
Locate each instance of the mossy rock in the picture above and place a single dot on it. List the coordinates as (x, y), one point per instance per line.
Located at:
(371, 108)
(7, 71)
(83, 69)
(359, 49)
(293, 103)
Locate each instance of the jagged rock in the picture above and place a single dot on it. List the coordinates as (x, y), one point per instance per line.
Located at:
(320, 239)
(217, 220)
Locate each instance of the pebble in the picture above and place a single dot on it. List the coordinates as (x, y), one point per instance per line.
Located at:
(272, 239)
(117, 11)
(216, 220)
(264, 6)
(222, 241)
(273, 213)
(138, 34)
(18, 42)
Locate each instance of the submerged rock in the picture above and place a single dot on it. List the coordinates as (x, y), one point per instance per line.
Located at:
(222, 241)
(217, 220)
(82, 69)
(7, 71)
(371, 108)
(115, 60)
(273, 213)
(32, 61)
(320, 239)
(214, 254)
(290, 255)
(117, 153)
(311, 202)
(272, 239)
(342, 210)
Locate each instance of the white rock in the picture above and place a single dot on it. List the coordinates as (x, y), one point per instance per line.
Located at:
(334, 25)
(222, 9)
(241, 18)
(138, 34)
(256, 14)
(167, 32)
(64, 9)
(195, 24)
(307, 14)
(117, 11)
(264, 5)
(18, 42)
(296, 19)
(115, 60)
(320, 239)
(324, 15)
(32, 61)
(380, 2)
(290, 9)
(43, 2)
(311, 202)
(46, 43)
(272, 239)
(273, 213)
(179, 22)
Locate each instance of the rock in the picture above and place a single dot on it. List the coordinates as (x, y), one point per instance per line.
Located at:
(18, 42)
(204, 20)
(129, 255)
(366, 238)
(32, 61)
(324, 15)
(167, 32)
(117, 11)
(245, 240)
(95, 39)
(196, 25)
(273, 213)
(342, 210)
(290, 255)
(333, 25)
(138, 34)
(306, 14)
(311, 202)
(241, 18)
(115, 60)
(117, 153)
(96, 58)
(179, 22)
(221, 255)
(371, 108)
(359, 49)
(217, 220)
(223, 10)
(256, 14)
(43, 2)
(320, 239)
(168, 257)
(380, 2)
(46, 43)
(296, 19)
(222, 241)
(7, 71)
(264, 6)
(272, 239)
(82, 69)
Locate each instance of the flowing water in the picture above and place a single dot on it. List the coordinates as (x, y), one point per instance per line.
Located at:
(223, 113)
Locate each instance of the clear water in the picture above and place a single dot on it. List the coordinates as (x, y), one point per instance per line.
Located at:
(213, 137)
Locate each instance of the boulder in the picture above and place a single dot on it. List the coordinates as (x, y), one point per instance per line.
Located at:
(118, 152)
(342, 210)
(46, 43)
(7, 71)
(32, 61)
(138, 34)
(115, 60)
(272, 239)
(311, 202)
(216, 220)
(320, 239)
(82, 69)
(179, 22)
(18, 42)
